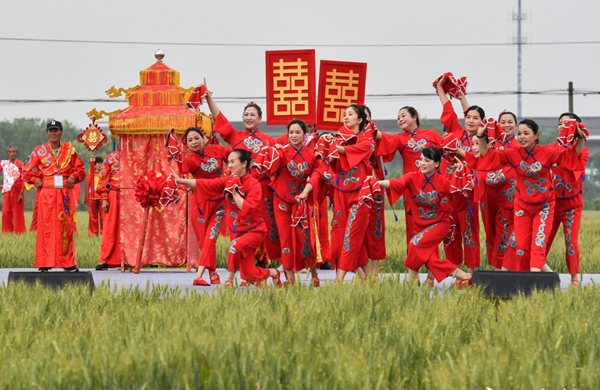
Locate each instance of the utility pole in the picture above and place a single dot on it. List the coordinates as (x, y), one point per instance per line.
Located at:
(571, 96)
(519, 17)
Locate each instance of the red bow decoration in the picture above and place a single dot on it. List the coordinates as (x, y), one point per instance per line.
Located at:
(370, 192)
(264, 160)
(233, 183)
(169, 194)
(174, 148)
(452, 86)
(567, 136)
(196, 98)
(300, 215)
(148, 189)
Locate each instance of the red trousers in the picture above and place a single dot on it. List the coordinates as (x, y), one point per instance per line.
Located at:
(423, 247)
(207, 228)
(498, 222)
(34, 218)
(95, 217)
(465, 246)
(110, 248)
(271, 244)
(54, 242)
(376, 231)
(533, 224)
(571, 220)
(348, 232)
(297, 252)
(241, 255)
(13, 214)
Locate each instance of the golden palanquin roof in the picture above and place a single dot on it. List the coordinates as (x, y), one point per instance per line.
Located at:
(156, 105)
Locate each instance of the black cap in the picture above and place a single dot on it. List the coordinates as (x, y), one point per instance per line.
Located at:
(54, 125)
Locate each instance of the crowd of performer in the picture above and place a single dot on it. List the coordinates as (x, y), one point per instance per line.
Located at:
(271, 196)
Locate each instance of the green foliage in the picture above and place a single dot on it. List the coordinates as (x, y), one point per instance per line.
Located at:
(356, 336)
(18, 251)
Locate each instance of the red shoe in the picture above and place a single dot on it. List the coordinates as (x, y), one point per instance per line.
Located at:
(244, 283)
(315, 282)
(200, 282)
(429, 282)
(461, 284)
(228, 284)
(277, 279)
(214, 278)
(575, 283)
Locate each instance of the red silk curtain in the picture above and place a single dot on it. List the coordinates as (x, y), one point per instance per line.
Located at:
(166, 231)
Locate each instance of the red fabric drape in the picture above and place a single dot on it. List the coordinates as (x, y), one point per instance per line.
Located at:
(166, 231)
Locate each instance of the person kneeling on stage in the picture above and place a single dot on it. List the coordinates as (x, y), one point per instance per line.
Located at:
(432, 203)
(242, 204)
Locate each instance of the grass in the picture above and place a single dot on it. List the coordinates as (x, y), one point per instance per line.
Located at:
(354, 336)
(19, 251)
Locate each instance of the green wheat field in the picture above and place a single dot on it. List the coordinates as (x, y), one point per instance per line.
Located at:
(355, 336)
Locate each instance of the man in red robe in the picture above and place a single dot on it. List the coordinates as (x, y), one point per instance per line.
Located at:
(108, 188)
(13, 215)
(54, 168)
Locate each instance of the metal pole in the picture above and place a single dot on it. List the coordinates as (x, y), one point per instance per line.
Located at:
(571, 96)
(519, 42)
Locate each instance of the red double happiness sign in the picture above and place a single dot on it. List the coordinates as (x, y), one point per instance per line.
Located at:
(291, 86)
(340, 85)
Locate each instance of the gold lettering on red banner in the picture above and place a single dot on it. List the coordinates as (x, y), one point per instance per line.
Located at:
(290, 86)
(341, 90)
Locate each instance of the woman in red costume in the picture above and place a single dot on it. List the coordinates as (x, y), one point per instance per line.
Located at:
(290, 168)
(109, 188)
(534, 201)
(13, 214)
(321, 219)
(497, 209)
(54, 168)
(205, 161)
(465, 247)
(408, 144)
(350, 218)
(568, 190)
(252, 140)
(431, 205)
(247, 228)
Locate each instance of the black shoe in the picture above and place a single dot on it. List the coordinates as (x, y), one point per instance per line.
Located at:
(326, 265)
(71, 269)
(101, 267)
(44, 269)
(260, 264)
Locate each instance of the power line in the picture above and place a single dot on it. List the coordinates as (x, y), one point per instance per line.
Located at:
(550, 92)
(296, 45)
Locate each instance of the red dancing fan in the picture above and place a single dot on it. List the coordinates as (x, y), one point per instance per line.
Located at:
(300, 215)
(233, 183)
(196, 98)
(567, 137)
(452, 86)
(174, 148)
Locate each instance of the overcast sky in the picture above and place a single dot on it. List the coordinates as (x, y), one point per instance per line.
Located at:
(52, 70)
